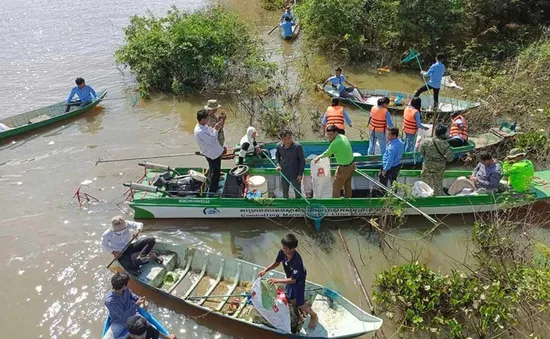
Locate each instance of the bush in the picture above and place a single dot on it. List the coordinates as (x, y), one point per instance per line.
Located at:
(203, 51)
(272, 5)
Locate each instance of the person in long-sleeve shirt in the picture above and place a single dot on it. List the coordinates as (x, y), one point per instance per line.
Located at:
(117, 237)
(391, 160)
(435, 72)
(485, 177)
(290, 159)
(336, 115)
(207, 140)
(86, 94)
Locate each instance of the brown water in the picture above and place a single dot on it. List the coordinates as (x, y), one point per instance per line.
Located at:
(51, 273)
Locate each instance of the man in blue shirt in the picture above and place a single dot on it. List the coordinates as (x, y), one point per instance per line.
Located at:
(435, 73)
(85, 93)
(391, 160)
(287, 25)
(338, 81)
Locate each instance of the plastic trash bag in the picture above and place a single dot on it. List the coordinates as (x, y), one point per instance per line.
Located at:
(422, 190)
(321, 179)
(270, 301)
(421, 135)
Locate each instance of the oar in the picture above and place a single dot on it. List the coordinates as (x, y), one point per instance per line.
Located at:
(123, 250)
(364, 175)
(99, 161)
(274, 28)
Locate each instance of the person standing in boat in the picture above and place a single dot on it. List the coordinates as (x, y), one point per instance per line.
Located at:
(435, 73)
(115, 239)
(212, 107)
(248, 144)
(391, 160)
(85, 93)
(207, 139)
(338, 80)
(379, 122)
(139, 328)
(295, 275)
(411, 123)
(290, 159)
(286, 25)
(436, 153)
(336, 115)
(459, 130)
(341, 148)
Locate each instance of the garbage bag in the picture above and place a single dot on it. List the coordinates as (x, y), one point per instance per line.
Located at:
(271, 303)
(422, 190)
(321, 179)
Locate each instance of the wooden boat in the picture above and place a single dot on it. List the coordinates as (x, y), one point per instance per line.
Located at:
(295, 30)
(44, 116)
(149, 201)
(152, 320)
(210, 283)
(360, 149)
(446, 105)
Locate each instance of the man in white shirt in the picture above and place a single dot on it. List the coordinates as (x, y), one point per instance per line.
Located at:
(115, 239)
(207, 139)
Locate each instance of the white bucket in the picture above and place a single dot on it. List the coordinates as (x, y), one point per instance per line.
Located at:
(259, 183)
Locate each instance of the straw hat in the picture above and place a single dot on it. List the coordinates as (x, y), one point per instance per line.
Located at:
(212, 104)
(515, 154)
(118, 223)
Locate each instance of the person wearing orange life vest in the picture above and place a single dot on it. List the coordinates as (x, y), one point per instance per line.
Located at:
(411, 124)
(379, 121)
(336, 115)
(458, 136)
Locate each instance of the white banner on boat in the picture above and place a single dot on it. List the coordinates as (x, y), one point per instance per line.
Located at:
(271, 303)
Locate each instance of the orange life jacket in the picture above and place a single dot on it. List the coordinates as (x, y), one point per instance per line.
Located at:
(335, 116)
(456, 130)
(409, 122)
(377, 121)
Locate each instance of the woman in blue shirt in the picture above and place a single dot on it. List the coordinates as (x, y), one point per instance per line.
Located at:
(435, 73)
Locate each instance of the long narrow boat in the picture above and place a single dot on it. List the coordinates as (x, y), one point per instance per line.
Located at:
(149, 201)
(360, 149)
(152, 320)
(44, 116)
(218, 286)
(446, 105)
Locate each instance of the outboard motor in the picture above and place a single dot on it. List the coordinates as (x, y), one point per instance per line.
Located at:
(234, 183)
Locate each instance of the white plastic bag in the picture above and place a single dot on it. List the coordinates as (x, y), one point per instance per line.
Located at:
(271, 303)
(321, 179)
(422, 190)
(421, 135)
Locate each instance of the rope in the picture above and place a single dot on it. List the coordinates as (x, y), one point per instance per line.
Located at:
(430, 219)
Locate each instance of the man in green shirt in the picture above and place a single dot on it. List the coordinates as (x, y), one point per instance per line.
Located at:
(342, 151)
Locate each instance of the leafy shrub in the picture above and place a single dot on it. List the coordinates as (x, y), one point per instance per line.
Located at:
(207, 50)
(272, 5)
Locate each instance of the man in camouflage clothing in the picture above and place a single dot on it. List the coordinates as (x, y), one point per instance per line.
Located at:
(212, 107)
(436, 152)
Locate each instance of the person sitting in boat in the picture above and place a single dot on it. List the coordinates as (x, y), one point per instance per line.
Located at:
(391, 160)
(411, 123)
(212, 107)
(139, 328)
(248, 143)
(117, 237)
(341, 149)
(287, 14)
(435, 73)
(379, 121)
(3, 127)
(290, 159)
(286, 25)
(436, 153)
(459, 130)
(85, 93)
(485, 177)
(338, 80)
(336, 115)
(121, 304)
(295, 275)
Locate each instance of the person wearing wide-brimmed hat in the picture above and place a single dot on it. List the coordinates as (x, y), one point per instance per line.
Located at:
(212, 108)
(116, 237)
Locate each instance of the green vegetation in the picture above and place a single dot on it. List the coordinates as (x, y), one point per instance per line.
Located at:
(273, 5)
(469, 30)
(204, 51)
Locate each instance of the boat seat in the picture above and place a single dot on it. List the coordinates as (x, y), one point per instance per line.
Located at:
(152, 273)
(39, 118)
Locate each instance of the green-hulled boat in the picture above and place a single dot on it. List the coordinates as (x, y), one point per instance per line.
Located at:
(360, 148)
(44, 116)
(446, 105)
(230, 201)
